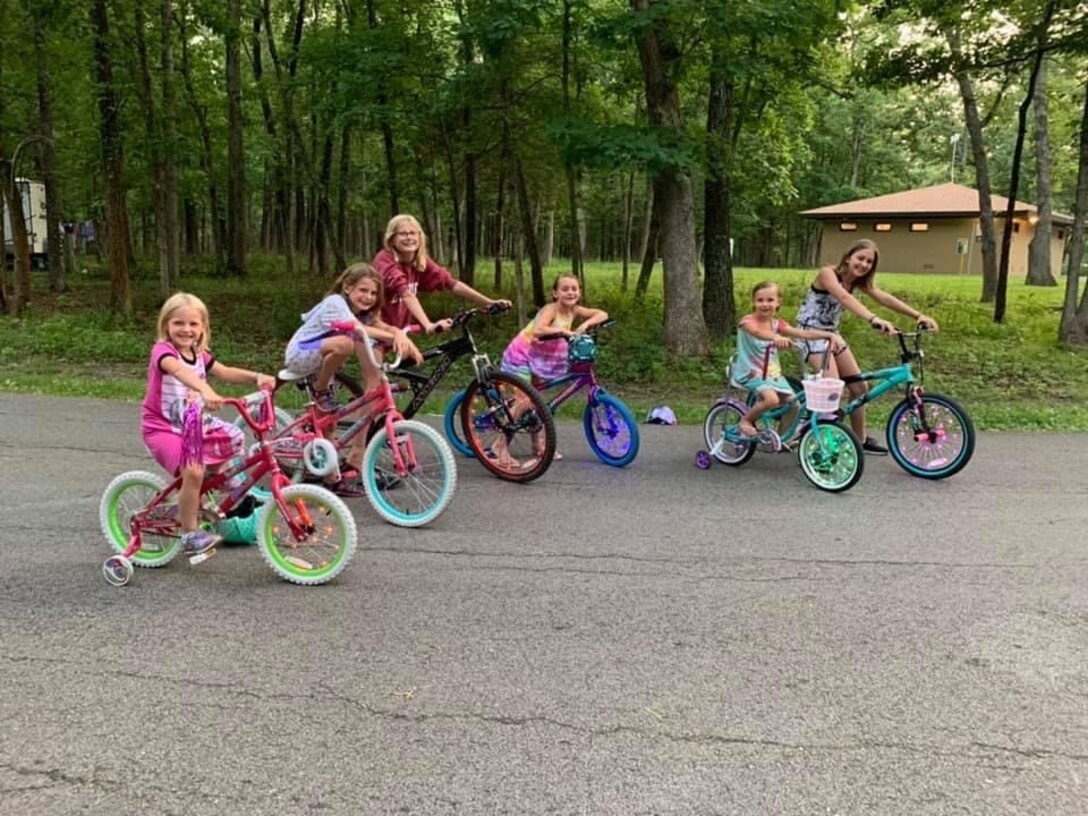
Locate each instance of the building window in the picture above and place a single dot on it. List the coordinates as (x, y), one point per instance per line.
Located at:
(1016, 226)
(1061, 235)
(847, 226)
(882, 226)
(919, 226)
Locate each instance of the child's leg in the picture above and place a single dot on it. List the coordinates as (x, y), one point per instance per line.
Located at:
(372, 377)
(768, 399)
(189, 496)
(335, 351)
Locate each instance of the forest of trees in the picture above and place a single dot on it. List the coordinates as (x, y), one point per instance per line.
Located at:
(195, 133)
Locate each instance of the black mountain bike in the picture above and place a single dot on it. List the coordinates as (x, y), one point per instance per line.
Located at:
(517, 440)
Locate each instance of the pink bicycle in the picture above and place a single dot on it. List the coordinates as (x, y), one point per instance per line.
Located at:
(305, 533)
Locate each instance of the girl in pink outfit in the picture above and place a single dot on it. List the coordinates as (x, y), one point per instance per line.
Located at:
(408, 271)
(176, 375)
(538, 360)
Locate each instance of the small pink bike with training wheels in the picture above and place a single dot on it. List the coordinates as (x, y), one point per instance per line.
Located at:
(305, 533)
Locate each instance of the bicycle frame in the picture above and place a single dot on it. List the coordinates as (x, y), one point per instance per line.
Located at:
(260, 462)
(890, 377)
(570, 384)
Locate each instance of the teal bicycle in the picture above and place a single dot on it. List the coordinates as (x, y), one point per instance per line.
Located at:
(929, 435)
(829, 454)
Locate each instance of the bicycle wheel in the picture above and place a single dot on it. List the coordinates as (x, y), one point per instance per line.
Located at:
(451, 424)
(419, 495)
(933, 444)
(509, 427)
(329, 544)
(722, 435)
(127, 495)
(610, 430)
(830, 456)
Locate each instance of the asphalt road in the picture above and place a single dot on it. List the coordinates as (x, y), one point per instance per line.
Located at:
(654, 640)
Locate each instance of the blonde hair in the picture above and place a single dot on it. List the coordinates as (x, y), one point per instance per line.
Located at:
(419, 263)
(181, 300)
(353, 275)
(858, 246)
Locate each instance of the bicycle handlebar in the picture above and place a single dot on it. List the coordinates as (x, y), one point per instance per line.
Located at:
(592, 330)
(250, 403)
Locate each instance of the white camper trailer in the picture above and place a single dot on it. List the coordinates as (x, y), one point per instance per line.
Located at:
(33, 195)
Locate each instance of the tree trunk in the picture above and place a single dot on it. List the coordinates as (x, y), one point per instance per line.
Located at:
(988, 239)
(1039, 252)
(628, 221)
(155, 147)
(54, 238)
(344, 173)
(1073, 329)
(1014, 183)
(719, 310)
(685, 329)
(466, 271)
(215, 234)
(113, 163)
(388, 145)
(497, 238)
(535, 267)
(171, 233)
(236, 178)
(650, 245)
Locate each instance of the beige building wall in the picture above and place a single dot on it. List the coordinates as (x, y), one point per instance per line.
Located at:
(947, 247)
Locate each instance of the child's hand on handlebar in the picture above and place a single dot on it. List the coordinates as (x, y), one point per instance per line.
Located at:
(265, 382)
(837, 343)
(782, 342)
(405, 348)
(926, 323)
(881, 325)
(501, 305)
(438, 327)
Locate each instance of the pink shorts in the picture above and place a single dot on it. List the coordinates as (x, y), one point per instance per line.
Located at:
(221, 441)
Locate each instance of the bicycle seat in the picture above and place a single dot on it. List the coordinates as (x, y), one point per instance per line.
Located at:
(287, 375)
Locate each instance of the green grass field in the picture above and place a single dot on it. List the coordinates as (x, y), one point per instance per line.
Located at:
(1008, 376)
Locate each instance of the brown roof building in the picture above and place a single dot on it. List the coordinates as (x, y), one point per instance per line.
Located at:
(932, 229)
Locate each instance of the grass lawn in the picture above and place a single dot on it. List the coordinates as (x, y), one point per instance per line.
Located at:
(1008, 376)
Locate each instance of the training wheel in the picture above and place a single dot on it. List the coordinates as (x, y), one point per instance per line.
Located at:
(117, 570)
(320, 457)
(702, 460)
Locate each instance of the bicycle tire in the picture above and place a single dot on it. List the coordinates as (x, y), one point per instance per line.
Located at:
(328, 546)
(726, 415)
(418, 496)
(451, 424)
(831, 456)
(525, 440)
(942, 451)
(610, 430)
(124, 497)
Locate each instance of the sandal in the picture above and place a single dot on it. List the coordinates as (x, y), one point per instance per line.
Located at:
(347, 488)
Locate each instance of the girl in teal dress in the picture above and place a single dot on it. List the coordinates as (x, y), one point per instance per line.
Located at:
(756, 366)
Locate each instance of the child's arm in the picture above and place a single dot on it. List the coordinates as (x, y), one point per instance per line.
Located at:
(590, 318)
(895, 304)
(542, 323)
(767, 333)
(241, 376)
(173, 367)
(397, 338)
(837, 343)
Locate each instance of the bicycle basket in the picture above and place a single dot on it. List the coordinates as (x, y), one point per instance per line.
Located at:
(582, 349)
